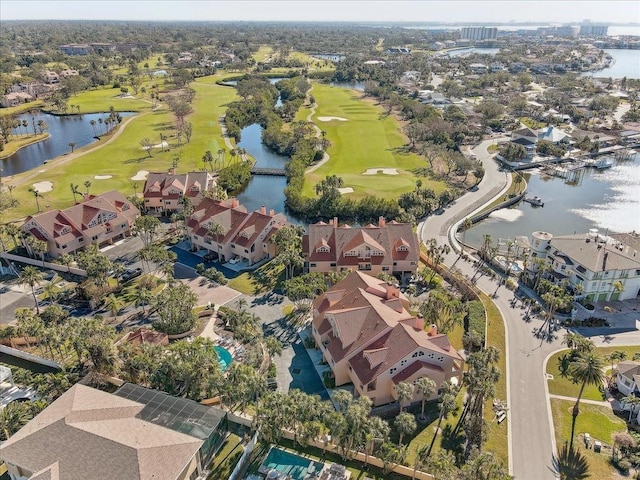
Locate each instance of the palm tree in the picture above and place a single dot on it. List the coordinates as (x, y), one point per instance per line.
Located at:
(72, 145)
(114, 304)
(405, 424)
(216, 229)
(377, 431)
(586, 370)
(405, 393)
(52, 291)
(617, 356)
(36, 195)
(466, 225)
(31, 276)
(93, 125)
(13, 417)
(342, 398)
(74, 192)
(87, 184)
(447, 404)
(425, 387)
(13, 231)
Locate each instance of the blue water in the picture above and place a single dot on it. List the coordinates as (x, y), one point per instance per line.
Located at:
(224, 357)
(293, 465)
(626, 63)
(62, 131)
(466, 51)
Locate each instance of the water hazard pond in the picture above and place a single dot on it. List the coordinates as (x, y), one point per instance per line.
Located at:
(62, 131)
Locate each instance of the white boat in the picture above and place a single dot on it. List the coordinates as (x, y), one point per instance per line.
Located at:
(604, 162)
(536, 201)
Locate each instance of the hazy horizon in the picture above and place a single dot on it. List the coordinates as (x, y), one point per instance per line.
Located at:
(347, 11)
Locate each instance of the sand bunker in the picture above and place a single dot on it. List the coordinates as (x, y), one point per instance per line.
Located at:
(328, 119)
(385, 171)
(345, 190)
(103, 177)
(43, 187)
(164, 144)
(141, 175)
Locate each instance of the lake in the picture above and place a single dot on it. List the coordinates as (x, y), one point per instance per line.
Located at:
(62, 131)
(607, 200)
(626, 63)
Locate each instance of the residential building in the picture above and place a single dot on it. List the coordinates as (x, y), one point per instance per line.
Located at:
(50, 77)
(478, 68)
(389, 247)
(366, 335)
(553, 135)
(132, 434)
(479, 33)
(164, 192)
(597, 267)
(240, 233)
(526, 133)
(100, 219)
(75, 49)
(14, 99)
(68, 73)
(101, 47)
(628, 378)
(145, 335)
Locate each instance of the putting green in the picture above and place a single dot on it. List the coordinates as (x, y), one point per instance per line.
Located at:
(368, 139)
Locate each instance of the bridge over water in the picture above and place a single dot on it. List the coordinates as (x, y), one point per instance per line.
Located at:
(274, 172)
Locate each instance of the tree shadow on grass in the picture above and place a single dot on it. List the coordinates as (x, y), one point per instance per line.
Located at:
(137, 160)
(453, 439)
(570, 464)
(401, 150)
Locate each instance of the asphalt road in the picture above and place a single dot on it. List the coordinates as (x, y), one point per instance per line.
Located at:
(529, 344)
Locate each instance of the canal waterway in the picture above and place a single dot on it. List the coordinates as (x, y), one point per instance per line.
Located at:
(461, 52)
(62, 131)
(606, 200)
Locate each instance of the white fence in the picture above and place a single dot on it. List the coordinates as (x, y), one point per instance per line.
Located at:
(235, 475)
(28, 356)
(40, 263)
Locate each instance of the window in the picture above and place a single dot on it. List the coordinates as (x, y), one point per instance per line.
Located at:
(124, 225)
(371, 386)
(364, 266)
(253, 247)
(403, 362)
(402, 248)
(95, 237)
(64, 246)
(333, 264)
(385, 269)
(81, 239)
(392, 370)
(312, 265)
(323, 249)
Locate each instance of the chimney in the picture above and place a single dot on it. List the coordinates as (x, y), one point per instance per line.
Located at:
(335, 222)
(604, 261)
(381, 222)
(433, 330)
(234, 202)
(263, 210)
(272, 212)
(391, 291)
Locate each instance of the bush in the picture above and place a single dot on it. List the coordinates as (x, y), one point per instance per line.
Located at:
(475, 323)
(329, 380)
(271, 373)
(310, 343)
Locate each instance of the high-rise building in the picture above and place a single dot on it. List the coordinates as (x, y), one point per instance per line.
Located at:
(594, 30)
(479, 33)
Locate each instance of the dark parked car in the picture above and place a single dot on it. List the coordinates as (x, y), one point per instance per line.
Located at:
(210, 257)
(130, 274)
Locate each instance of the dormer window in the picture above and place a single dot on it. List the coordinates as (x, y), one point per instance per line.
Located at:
(402, 248)
(323, 249)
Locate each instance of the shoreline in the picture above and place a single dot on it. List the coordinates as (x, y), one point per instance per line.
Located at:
(4, 155)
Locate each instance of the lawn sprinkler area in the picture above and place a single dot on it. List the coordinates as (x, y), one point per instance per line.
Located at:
(292, 465)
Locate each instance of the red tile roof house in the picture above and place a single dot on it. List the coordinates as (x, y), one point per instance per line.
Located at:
(389, 247)
(163, 192)
(242, 234)
(368, 338)
(99, 219)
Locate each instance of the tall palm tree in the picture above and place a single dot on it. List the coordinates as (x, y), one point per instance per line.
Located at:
(405, 393)
(36, 195)
(72, 145)
(93, 125)
(87, 184)
(13, 231)
(466, 225)
(143, 298)
(31, 276)
(425, 387)
(74, 192)
(405, 424)
(114, 304)
(586, 370)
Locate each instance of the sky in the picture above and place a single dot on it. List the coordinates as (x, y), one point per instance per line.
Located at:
(548, 11)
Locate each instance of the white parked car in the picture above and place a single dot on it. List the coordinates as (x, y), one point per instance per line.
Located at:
(234, 260)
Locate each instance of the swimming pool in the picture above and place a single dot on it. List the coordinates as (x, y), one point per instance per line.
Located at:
(295, 466)
(224, 357)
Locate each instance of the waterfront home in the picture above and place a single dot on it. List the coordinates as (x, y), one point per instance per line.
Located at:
(133, 434)
(628, 378)
(553, 135)
(100, 219)
(14, 99)
(388, 247)
(366, 335)
(525, 133)
(597, 267)
(164, 193)
(227, 230)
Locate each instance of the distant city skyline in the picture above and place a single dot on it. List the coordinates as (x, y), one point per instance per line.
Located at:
(452, 11)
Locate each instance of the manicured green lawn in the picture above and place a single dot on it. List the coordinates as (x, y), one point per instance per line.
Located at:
(262, 280)
(263, 52)
(564, 386)
(101, 99)
(598, 421)
(16, 144)
(227, 457)
(368, 139)
(498, 441)
(25, 107)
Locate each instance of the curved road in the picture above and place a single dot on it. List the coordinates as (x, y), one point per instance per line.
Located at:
(531, 439)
